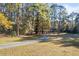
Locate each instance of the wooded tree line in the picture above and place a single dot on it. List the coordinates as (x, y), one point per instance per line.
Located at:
(27, 17)
(62, 21)
(23, 18)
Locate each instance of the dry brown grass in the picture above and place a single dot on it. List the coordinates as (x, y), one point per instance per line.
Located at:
(52, 48)
(41, 49)
(7, 39)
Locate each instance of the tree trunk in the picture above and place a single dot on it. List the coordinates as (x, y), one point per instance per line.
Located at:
(59, 27)
(37, 24)
(17, 24)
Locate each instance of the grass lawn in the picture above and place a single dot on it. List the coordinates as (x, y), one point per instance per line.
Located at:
(41, 49)
(58, 47)
(8, 39)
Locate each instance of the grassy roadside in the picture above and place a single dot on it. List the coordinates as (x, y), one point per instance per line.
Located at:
(4, 40)
(8, 39)
(59, 47)
(41, 49)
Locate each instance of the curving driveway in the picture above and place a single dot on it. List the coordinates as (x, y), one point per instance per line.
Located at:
(14, 44)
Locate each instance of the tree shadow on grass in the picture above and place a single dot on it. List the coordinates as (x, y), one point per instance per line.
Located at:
(65, 39)
(29, 37)
(74, 42)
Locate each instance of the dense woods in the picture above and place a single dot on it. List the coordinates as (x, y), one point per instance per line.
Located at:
(32, 18)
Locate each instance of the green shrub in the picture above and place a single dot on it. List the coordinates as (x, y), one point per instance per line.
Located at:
(13, 33)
